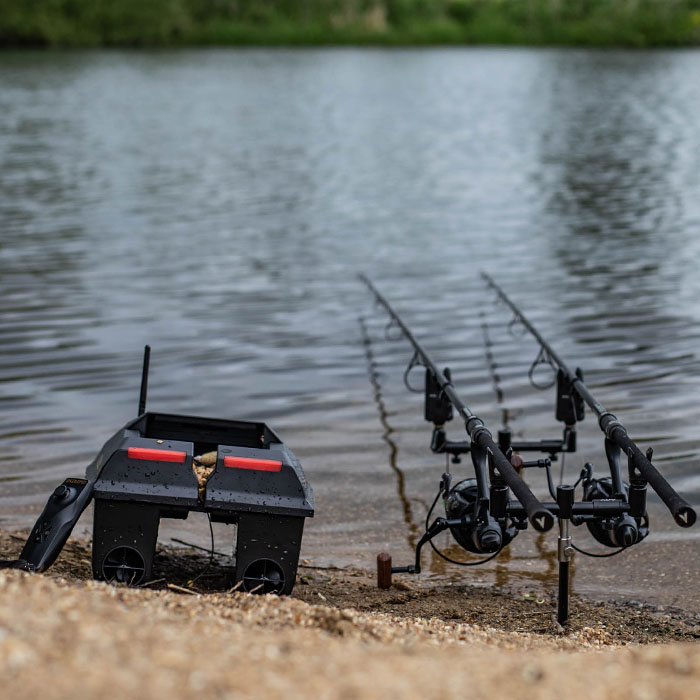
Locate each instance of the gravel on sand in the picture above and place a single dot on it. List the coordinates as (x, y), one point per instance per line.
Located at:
(63, 635)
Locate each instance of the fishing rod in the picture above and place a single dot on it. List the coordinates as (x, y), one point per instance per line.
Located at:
(441, 396)
(639, 464)
(480, 514)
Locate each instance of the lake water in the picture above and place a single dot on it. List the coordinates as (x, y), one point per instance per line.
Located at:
(218, 204)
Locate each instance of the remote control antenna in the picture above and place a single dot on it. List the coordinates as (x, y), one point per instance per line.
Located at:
(144, 379)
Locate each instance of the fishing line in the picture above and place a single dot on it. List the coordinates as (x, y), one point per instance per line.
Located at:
(492, 365)
(598, 556)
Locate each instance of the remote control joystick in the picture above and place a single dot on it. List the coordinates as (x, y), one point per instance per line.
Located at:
(55, 524)
(61, 493)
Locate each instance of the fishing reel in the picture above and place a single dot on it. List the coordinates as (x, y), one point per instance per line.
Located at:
(479, 532)
(622, 530)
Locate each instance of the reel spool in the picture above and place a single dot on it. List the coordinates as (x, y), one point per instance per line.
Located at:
(621, 531)
(484, 534)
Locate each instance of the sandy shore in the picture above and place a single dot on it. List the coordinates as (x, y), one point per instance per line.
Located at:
(63, 635)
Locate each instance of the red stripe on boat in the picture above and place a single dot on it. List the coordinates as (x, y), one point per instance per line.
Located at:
(263, 465)
(156, 455)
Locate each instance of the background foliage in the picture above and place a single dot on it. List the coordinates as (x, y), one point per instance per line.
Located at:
(174, 22)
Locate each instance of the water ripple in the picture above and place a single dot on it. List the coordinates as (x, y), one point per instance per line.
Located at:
(218, 204)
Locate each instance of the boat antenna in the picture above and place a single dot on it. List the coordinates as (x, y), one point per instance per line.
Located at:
(144, 379)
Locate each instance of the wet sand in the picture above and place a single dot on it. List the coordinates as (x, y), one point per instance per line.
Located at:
(63, 635)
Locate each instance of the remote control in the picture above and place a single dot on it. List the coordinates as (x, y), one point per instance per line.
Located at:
(55, 524)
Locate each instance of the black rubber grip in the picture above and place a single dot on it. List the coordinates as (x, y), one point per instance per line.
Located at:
(539, 516)
(683, 513)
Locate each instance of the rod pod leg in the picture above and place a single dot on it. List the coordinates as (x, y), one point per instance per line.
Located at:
(563, 599)
(565, 501)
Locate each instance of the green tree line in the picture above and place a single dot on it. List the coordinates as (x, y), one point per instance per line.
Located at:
(381, 22)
